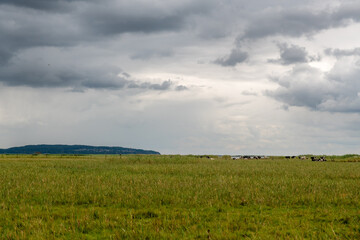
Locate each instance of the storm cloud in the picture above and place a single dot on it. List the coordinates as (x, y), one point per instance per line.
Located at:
(21, 29)
(46, 5)
(31, 25)
(41, 73)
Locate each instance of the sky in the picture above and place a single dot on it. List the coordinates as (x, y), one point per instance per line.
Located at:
(271, 77)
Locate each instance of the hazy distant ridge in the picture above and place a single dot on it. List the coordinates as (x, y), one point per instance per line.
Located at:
(73, 149)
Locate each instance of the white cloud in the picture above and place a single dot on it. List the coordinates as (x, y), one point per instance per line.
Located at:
(334, 91)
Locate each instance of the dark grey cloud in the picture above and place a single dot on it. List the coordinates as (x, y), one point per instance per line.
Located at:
(236, 56)
(40, 74)
(43, 73)
(155, 86)
(291, 54)
(21, 29)
(5, 55)
(119, 83)
(112, 23)
(117, 17)
(335, 91)
(26, 26)
(53, 5)
(342, 52)
(298, 22)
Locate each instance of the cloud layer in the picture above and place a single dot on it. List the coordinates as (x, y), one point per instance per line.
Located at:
(32, 26)
(291, 22)
(143, 74)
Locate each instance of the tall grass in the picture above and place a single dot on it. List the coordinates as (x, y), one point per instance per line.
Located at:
(162, 197)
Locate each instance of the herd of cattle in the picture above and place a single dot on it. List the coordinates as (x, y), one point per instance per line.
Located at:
(248, 157)
(314, 159)
(321, 159)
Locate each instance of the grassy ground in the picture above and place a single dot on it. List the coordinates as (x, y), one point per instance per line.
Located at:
(177, 197)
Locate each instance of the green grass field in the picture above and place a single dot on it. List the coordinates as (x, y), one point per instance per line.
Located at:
(178, 197)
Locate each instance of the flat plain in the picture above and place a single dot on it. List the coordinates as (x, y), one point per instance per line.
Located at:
(178, 197)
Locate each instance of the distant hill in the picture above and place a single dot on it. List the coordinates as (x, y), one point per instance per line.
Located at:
(73, 149)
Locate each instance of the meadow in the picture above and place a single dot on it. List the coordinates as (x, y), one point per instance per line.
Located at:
(178, 197)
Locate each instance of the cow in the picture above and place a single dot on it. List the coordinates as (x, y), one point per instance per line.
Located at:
(320, 159)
